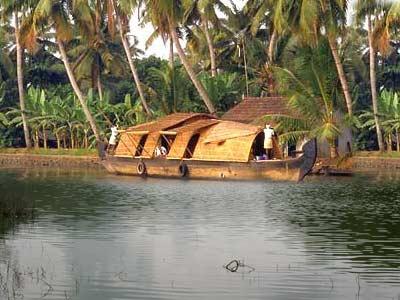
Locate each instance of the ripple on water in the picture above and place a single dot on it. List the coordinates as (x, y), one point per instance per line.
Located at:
(98, 236)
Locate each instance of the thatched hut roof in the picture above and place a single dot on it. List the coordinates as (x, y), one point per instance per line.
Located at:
(169, 122)
(251, 110)
(227, 130)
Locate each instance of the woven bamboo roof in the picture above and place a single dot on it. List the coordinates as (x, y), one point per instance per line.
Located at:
(226, 130)
(252, 109)
(170, 122)
(197, 125)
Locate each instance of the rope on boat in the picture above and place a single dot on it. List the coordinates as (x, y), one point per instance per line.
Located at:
(234, 265)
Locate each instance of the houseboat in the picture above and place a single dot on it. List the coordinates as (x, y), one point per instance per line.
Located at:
(201, 146)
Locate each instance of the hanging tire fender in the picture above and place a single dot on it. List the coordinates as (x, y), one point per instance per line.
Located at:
(141, 168)
(183, 170)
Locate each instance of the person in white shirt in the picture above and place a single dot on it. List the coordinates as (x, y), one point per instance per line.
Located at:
(268, 140)
(160, 151)
(112, 142)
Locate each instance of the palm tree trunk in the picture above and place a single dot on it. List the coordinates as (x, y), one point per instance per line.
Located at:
(99, 87)
(200, 88)
(36, 139)
(133, 68)
(44, 138)
(58, 140)
(72, 139)
(397, 140)
(171, 53)
(389, 143)
(272, 45)
(78, 92)
(245, 69)
(210, 47)
(342, 75)
(372, 73)
(20, 77)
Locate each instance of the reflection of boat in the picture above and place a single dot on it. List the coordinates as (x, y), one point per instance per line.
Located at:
(201, 146)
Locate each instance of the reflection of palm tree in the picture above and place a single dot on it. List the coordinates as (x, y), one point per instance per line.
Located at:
(356, 226)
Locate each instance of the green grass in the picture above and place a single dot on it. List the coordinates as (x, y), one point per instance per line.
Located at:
(41, 151)
(393, 154)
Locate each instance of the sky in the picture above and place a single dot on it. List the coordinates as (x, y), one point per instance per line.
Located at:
(158, 48)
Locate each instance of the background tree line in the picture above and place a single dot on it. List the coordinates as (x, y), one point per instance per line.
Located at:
(70, 68)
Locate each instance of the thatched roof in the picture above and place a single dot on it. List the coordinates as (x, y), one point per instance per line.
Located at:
(226, 130)
(169, 122)
(197, 125)
(252, 109)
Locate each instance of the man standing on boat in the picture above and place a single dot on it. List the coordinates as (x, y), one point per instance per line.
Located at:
(268, 140)
(113, 139)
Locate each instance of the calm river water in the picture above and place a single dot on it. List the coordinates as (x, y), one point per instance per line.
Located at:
(98, 236)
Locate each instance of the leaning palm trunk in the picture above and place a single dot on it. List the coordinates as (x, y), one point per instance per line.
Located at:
(342, 75)
(20, 77)
(210, 47)
(78, 92)
(272, 45)
(372, 73)
(171, 53)
(133, 68)
(200, 88)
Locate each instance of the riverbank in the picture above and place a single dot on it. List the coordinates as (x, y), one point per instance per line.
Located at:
(20, 158)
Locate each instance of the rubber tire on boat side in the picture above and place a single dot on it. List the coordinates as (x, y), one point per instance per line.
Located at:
(183, 169)
(141, 168)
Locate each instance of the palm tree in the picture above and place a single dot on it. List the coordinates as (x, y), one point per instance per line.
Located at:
(166, 15)
(378, 16)
(93, 50)
(53, 13)
(311, 19)
(15, 9)
(310, 84)
(205, 12)
(123, 9)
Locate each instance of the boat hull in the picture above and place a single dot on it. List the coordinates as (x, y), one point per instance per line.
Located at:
(291, 169)
(160, 167)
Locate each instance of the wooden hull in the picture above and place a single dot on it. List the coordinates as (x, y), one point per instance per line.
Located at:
(291, 169)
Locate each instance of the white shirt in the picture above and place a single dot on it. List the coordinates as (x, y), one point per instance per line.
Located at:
(269, 133)
(113, 137)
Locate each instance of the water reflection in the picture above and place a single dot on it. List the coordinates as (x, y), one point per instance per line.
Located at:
(98, 236)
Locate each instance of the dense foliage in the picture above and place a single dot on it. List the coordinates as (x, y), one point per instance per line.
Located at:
(70, 69)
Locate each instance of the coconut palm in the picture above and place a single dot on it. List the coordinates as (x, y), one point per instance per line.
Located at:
(122, 10)
(310, 84)
(311, 19)
(16, 9)
(166, 16)
(378, 16)
(54, 14)
(93, 49)
(203, 13)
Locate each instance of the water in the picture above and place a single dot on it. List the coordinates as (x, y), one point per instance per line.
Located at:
(98, 236)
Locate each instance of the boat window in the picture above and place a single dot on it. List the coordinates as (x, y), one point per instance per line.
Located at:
(140, 146)
(257, 149)
(166, 141)
(191, 146)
